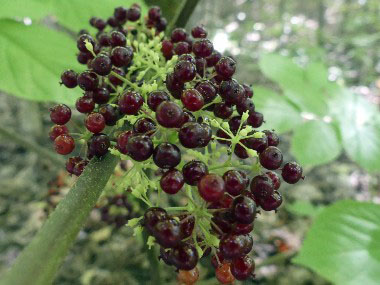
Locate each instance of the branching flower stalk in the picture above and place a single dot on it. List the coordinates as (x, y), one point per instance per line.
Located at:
(191, 131)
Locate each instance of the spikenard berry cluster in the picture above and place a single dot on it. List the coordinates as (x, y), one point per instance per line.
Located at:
(173, 108)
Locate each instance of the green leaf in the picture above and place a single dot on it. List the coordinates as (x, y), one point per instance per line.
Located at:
(359, 122)
(75, 14)
(34, 9)
(343, 245)
(40, 260)
(32, 60)
(314, 143)
(304, 208)
(301, 86)
(279, 114)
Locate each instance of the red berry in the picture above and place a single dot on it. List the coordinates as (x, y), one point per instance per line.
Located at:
(60, 114)
(199, 32)
(242, 267)
(224, 275)
(85, 104)
(57, 130)
(172, 181)
(178, 35)
(130, 103)
(122, 141)
(275, 179)
(95, 123)
(203, 48)
(71, 162)
(211, 187)
(64, 144)
(167, 49)
(192, 100)
(188, 277)
(182, 48)
(225, 67)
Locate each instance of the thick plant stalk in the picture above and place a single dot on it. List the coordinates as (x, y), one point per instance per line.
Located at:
(40, 260)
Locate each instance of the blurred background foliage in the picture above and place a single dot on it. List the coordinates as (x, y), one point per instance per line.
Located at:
(314, 67)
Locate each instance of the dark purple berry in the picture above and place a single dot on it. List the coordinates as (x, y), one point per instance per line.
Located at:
(154, 13)
(167, 233)
(234, 182)
(133, 14)
(101, 64)
(88, 80)
(213, 58)
(166, 155)
(275, 179)
(291, 172)
(272, 202)
(182, 48)
(144, 126)
(174, 85)
(178, 35)
(172, 181)
(193, 135)
(185, 257)
(245, 105)
(169, 115)
(120, 14)
(114, 80)
(225, 67)
(110, 114)
(223, 111)
(261, 186)
(244, 210)
(193, 171)
(184, 71)
(117, 39)
(273, 139)
(232, 246)
(121, 56)
(207, 90)
(152, 216)
(101, 95)
(248, 91)
(242, 267)
(81, 42)
(69, 78)
(271, 158)
(255, 119)
(139, 147)
(155, 98)
(122, 141)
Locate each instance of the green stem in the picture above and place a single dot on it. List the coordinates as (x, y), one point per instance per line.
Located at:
(39, 261)
(42, 152)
